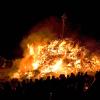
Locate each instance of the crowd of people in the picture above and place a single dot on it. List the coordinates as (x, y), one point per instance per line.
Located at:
(62, 88)
(4, 63)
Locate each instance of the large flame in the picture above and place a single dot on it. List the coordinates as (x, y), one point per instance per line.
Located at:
(60, 56)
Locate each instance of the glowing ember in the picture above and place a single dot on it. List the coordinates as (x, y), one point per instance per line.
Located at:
(56, 57)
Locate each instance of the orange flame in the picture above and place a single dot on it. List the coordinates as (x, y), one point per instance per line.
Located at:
(56, 57)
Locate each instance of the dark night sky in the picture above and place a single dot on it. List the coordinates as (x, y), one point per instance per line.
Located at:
(17, 20)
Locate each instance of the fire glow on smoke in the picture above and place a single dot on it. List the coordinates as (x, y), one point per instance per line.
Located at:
(55, 57)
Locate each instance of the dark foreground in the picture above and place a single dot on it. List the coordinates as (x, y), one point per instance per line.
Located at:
(80, 86)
